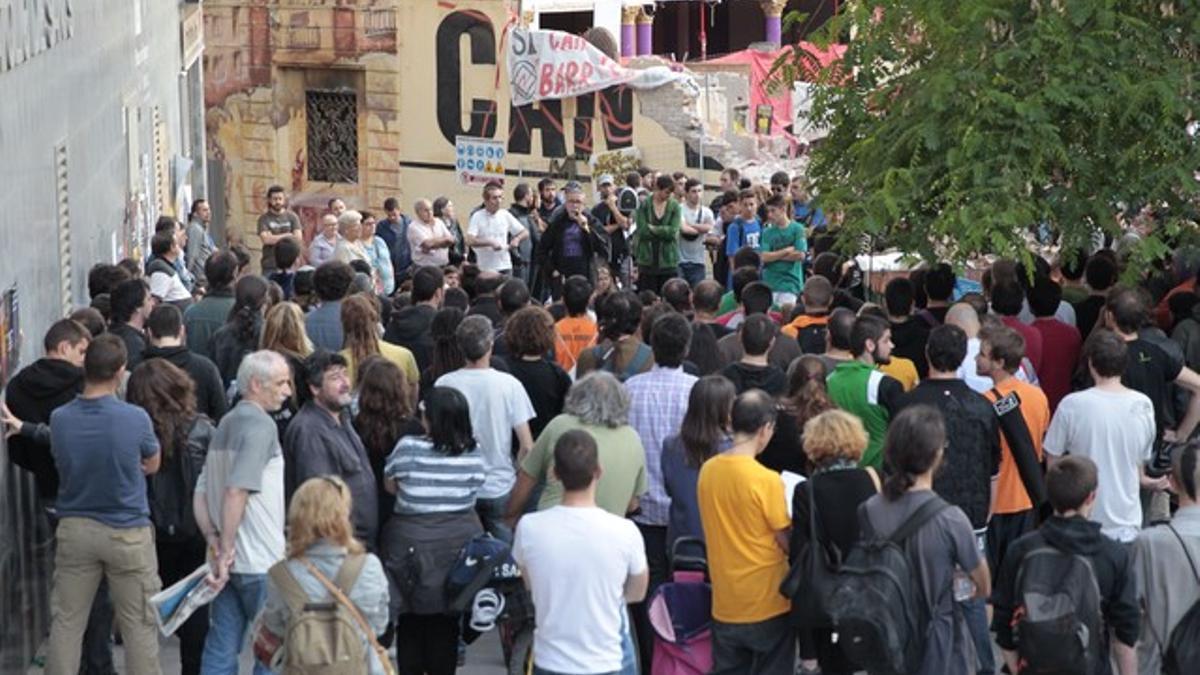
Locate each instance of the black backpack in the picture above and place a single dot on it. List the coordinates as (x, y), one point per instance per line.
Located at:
(170, 489)
(1057, 622)
(1183, 647)
(876, 601)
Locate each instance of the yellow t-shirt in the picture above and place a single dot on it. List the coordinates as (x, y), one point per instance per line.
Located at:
(903, 370)
(398, 355)
(742, 506)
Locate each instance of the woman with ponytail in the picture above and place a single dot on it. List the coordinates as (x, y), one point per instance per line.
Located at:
(945, 543)
(242, 330)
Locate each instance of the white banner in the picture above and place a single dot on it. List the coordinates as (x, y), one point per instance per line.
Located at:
(551, 64)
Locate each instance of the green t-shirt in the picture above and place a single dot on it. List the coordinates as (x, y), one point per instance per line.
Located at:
(621, 457)
(783, 276)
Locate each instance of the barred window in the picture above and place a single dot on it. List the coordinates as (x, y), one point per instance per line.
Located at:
(332, 136)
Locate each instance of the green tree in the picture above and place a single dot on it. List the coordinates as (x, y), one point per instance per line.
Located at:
(957, 125)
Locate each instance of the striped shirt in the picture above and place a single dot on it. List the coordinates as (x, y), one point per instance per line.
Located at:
(430, 481)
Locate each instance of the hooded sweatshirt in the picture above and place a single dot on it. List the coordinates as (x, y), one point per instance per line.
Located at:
(1113, 566)
(32, 395)
(210, 393)
(409, 328)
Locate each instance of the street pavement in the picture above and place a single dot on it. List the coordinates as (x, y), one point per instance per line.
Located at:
(483, 658)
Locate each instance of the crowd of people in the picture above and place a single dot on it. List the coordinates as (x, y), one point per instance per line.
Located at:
(598, 389)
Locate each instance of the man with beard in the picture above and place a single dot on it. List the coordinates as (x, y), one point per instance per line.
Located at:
(858, 387)
(320, 441)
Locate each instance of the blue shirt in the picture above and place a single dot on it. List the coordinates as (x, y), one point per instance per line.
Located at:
(98, 446)
(740, 233)
(324, 326)
(809, 217)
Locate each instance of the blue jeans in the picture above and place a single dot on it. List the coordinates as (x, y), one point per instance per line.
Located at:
(232, 612)
(693, 273)
(975, 612)
(491, 513)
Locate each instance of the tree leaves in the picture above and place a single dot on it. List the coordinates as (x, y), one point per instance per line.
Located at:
(956, 126)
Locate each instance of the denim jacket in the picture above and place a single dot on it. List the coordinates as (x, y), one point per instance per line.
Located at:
(369, 594)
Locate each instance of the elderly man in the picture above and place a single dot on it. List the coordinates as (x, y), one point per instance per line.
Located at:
(428, 238)
(599, 405)
(572, 237)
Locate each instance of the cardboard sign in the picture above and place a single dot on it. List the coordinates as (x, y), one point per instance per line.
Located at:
(551, 64)
(478, 161)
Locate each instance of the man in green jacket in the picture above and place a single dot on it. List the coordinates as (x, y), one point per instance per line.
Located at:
(656, 241)
(859, 388)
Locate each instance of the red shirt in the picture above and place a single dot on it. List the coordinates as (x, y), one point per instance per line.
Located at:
(1060, 353)
(1033, 342)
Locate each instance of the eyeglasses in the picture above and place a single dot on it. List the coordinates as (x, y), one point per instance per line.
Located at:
(335, 482)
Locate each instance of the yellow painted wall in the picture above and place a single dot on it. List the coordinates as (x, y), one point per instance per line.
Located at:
(260, 58)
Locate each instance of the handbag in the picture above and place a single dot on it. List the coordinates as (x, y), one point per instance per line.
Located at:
(811, 579)
(338, 595)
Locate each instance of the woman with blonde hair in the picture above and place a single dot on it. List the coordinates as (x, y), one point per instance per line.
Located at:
(350, 245)
(322, 550)
(283, 333)
(834, 441)
(361, 340)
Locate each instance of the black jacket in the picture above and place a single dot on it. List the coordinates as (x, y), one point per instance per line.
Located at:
(972, 444)
(549, 251)
(32, 395)
(1112, 563)
(409, 328)
(135, 343)
(210, 392)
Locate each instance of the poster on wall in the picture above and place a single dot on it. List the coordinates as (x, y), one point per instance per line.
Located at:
(478, 161)
(10, 334)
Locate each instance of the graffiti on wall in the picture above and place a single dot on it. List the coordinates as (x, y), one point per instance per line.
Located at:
(608, 113)
(32, 27)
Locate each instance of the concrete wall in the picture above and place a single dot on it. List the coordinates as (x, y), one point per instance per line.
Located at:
(98, 76)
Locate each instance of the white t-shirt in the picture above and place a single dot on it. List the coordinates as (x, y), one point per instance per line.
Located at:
(692, 251)
(1116, 431)
(576, 561)
(498, 403)
(168, 287)
(497, 227)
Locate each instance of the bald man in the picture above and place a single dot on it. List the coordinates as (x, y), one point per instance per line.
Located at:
(965, 317)
(428, 238)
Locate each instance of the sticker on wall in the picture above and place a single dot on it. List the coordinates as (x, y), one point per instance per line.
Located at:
(478, 160)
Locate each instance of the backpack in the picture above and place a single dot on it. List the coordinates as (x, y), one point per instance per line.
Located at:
(875, 602)
(482, 562)
(321, 638)
(1057, 623)
(607, 358)
(627, 201)
(169, 490)
(1183, 646)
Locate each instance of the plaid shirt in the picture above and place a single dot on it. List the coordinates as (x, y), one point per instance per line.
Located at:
(658, 401)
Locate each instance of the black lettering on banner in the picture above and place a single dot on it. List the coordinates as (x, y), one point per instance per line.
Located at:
(482, 39)
(544, 116)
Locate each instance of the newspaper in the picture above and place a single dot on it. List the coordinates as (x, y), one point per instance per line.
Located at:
(173, 606)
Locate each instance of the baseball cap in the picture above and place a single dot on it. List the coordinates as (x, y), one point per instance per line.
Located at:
(605, 179)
